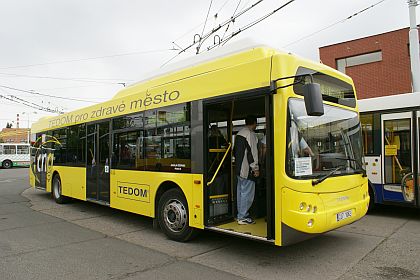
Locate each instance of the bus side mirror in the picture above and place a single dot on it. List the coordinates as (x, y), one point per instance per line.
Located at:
(313, 99)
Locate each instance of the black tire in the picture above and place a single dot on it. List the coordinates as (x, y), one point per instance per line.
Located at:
(7, 164)
(173, 216)
(372, 198)
(56, 190)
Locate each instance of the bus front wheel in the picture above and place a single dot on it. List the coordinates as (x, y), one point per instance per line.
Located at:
(173, 216)
(7, 164)
(56, 190)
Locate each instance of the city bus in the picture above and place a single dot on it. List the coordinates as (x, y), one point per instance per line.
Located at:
(390, 128)
(163, 147)
(13, 155)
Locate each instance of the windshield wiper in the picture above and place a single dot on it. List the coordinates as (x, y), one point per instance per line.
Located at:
(322, 179)
(357, 163)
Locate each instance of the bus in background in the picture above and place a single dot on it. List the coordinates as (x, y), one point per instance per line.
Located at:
(163, 147)
(390, 126)
(12, 155)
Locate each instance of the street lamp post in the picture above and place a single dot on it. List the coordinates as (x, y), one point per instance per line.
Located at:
(28, 114)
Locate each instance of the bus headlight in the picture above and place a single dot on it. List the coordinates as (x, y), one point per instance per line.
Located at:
(314, 209)
(302, 205)
(310, 222)
(309, 208)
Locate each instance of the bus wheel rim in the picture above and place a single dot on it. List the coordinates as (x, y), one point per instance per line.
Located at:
(57, 187)
(175, 215)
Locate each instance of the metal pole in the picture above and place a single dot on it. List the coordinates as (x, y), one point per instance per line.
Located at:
(414, 46)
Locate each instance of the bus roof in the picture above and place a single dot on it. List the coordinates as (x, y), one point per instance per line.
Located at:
(236, 54)
(241, 51)
(405, 100)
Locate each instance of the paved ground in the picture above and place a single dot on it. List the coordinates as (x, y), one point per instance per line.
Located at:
(43, 240)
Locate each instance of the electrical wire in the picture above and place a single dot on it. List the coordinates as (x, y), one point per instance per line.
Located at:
(333, 24)
(214, 30)
(88, 58)
(227, 27)
(235, 33)
(197, 26)
(48, 95)
(207, 17)
(86, 80)
(38, 107)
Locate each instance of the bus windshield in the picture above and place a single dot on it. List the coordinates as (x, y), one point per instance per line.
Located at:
(318, 145)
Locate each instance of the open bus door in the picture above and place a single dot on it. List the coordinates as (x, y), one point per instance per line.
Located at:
(223, 118)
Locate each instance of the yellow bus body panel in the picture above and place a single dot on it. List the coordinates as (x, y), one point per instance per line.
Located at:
(124, 196)
(73, 181)
(242, 71)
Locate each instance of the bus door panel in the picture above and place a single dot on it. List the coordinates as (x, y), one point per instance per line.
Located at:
(97, 162)
(219, 158)
(397, 159)
(223, 120)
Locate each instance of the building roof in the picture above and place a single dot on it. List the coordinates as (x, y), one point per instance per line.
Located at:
(361, 38)
(405, 100)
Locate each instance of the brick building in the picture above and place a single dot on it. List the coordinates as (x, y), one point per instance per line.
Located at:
(14, 135)
(378, 64)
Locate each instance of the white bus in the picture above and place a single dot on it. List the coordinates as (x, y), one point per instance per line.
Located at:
(14, 155)
(391, 135)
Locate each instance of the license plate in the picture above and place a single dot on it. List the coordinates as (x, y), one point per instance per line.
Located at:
(343, 215)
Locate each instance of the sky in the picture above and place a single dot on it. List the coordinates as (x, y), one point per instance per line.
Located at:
(88, 50)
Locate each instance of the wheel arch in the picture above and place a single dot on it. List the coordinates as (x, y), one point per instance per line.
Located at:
(164, 187)
(371, 188)
(55, 173)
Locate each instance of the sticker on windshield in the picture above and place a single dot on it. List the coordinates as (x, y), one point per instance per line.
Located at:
(303, 166)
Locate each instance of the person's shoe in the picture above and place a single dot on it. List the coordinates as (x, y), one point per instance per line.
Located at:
(246, 221)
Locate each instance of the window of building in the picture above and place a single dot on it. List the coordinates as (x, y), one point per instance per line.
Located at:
(361, 59)
(22, 150)
(9, 149)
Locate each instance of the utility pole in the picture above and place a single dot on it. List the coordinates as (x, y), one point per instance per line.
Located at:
(414, 46)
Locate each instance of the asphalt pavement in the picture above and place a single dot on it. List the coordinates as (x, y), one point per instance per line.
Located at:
(40, 239)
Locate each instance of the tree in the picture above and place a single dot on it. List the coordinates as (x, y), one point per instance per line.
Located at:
(9, 125)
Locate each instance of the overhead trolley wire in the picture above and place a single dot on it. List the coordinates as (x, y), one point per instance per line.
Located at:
(235, 33)
(197, 26)
(88, 58)
(37, 107)
(98, 81)
(233, 22)
(48, 95)
(214, 30)
(334, 24)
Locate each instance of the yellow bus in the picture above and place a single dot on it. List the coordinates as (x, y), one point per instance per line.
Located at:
(163, 148)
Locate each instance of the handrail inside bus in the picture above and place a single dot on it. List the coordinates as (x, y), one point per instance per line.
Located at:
(220, 165)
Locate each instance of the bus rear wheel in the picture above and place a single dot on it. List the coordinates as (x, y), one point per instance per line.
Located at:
(56, 190)
(7, 164)
(173, 216)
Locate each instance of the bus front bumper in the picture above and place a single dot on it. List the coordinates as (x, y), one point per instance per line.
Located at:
(307, 214)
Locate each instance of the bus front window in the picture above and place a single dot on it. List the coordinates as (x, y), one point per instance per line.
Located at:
(318, 145)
